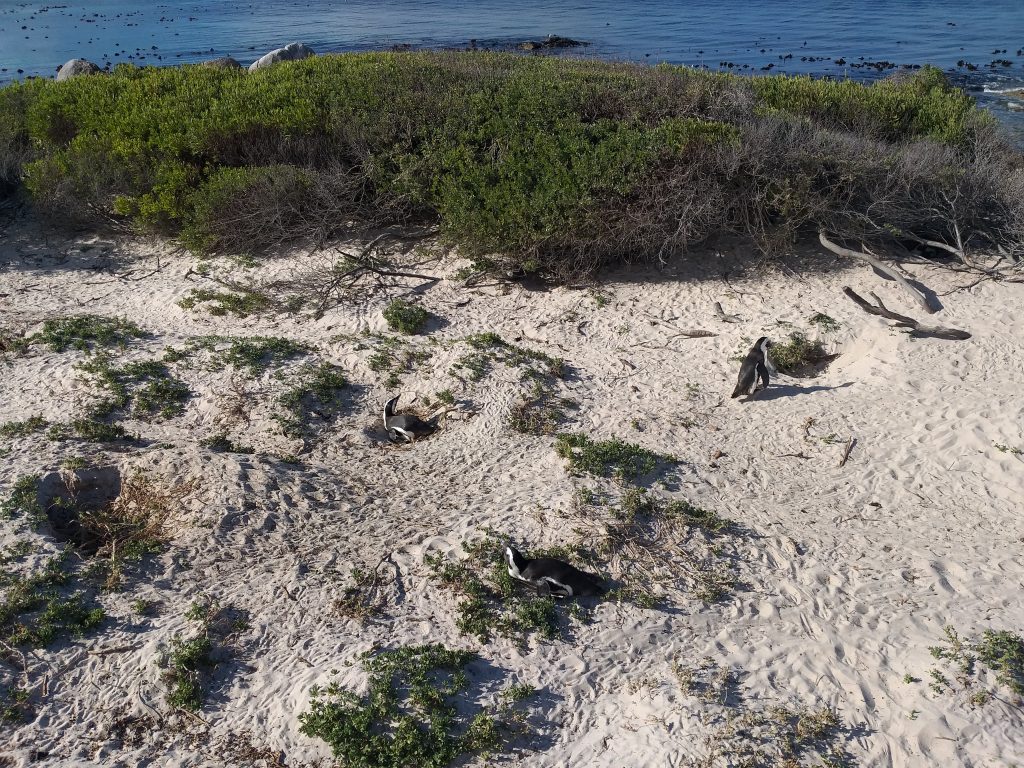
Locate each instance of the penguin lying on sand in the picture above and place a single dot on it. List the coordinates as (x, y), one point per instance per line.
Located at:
(553, 576)
(755, 369)
(407, 427)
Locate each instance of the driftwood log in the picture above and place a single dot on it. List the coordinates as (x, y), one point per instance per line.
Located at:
(902, 321)
(921, 298)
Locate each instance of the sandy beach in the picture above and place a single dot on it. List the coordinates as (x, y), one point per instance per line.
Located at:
(845, 572)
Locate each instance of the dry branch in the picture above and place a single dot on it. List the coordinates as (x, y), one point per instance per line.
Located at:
(919, 297)
(917, 329)
(724, 317)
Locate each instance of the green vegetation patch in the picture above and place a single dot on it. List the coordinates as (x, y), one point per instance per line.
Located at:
(221, 303)
(800, 356)
(254, 354)
(144, 388)
(316, 395)
(23, 501)
(15, 429)
(35, 612)
(409, 717)
(405, 317)
(183, 665)
(86, 332)
(607, 458)
(185, 659)
(1001, 652)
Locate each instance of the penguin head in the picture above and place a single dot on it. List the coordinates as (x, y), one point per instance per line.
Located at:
(515, 559)
(389, 408)
(764, 344)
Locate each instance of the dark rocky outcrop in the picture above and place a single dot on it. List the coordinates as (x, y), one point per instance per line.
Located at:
(551, 41)
(224, 62)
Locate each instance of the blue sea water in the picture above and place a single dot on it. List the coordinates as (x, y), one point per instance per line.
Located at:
(820, 37)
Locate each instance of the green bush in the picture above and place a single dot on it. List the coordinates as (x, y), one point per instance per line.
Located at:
(405, 317)
(409, 717)
(551, 164)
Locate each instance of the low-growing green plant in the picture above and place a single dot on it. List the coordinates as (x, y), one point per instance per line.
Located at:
(799, 355)
(15, 429)
(445, 397)
(85, 332)
(253, 354)
(826, 323)
(405, 317)
(182, 664)
(34, 612)
(606, 458)
(1002, 652)
(24, 501)
(222, 303)
(143, 388)
(14, 704)
(409, 717)
(392, 355)
(317, 393)
(91, 429)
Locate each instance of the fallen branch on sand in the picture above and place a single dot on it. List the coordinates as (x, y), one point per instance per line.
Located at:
(724, 317)
(871, 259)
(917, 329)
(846, 451)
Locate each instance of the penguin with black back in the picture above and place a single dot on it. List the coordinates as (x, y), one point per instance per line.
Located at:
(552, 576)
(406, 427)
(755, 369)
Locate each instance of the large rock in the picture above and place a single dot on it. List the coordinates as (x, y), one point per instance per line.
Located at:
(225, 62)
(291, 52)
(77, 67)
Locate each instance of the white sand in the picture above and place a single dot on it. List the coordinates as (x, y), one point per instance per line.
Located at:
(852, 571)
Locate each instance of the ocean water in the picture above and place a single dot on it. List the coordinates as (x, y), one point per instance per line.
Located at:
(836, 38)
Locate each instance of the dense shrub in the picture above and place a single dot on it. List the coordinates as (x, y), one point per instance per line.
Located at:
(553, 164)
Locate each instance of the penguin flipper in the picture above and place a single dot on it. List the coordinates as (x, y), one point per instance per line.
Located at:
(762, 372)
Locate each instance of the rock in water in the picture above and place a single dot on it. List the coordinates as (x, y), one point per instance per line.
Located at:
(291, 52)
(77, 67)
(225, 62)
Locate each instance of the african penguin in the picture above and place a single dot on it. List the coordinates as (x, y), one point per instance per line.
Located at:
(552, 576)
(406, 427)
(755, 369)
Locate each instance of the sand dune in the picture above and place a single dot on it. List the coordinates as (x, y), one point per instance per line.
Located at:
(851, 571)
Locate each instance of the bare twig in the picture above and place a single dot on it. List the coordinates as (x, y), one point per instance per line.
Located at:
(846, 451)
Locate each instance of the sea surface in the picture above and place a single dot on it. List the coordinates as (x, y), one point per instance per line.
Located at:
(980, 44)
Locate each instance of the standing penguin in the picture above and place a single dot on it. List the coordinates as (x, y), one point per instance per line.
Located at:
(755, 369)
(552, 576)
(407, 427)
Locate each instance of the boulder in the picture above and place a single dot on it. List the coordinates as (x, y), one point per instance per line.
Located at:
(551, 41)
(225, 62)
(291, 52)
(77, 67)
